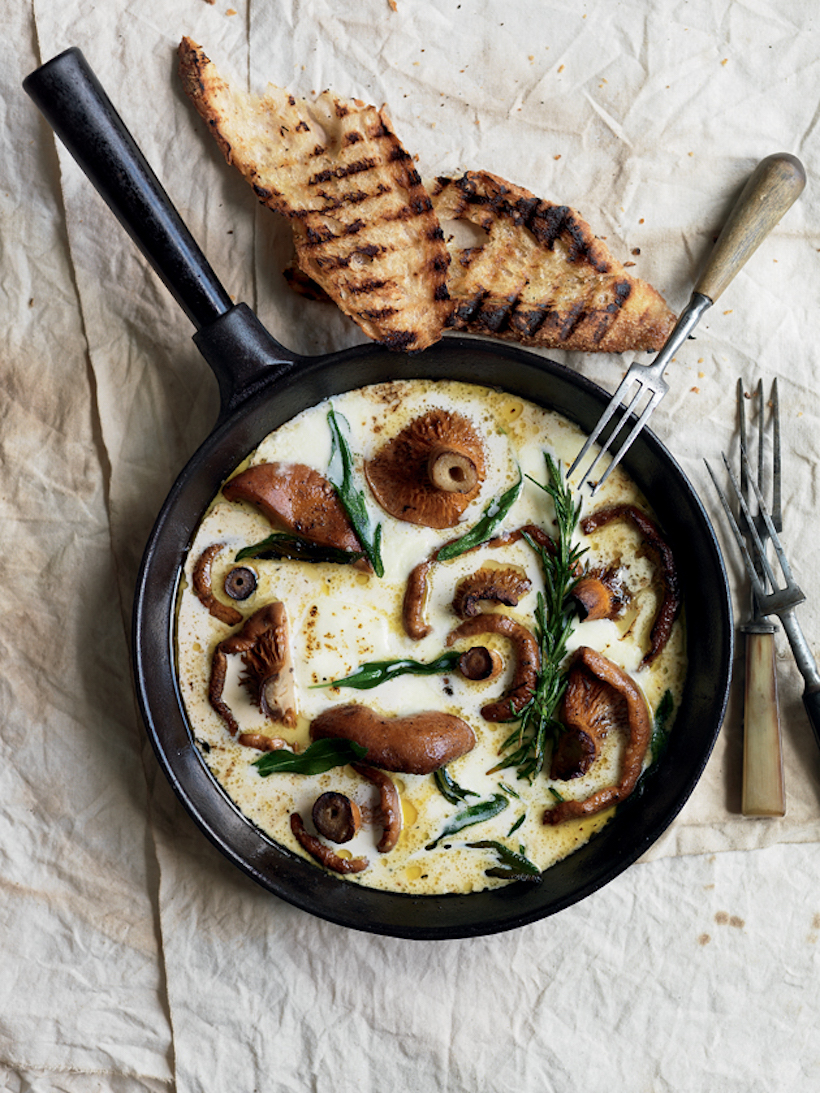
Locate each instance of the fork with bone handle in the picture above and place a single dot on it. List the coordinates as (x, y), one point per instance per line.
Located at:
(763, 789)
(776, 590)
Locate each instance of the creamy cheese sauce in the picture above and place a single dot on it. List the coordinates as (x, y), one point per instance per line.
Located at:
(339, 618)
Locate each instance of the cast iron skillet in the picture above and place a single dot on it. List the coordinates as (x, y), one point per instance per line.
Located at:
(261, 386)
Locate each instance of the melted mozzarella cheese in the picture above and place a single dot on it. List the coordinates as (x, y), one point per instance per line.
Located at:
(339, 618)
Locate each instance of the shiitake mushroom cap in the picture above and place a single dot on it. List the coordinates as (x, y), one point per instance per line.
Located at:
(240, 583)
(336, 816)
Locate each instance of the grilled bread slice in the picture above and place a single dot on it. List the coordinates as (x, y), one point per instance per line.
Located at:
(541, 277)
(363, 223)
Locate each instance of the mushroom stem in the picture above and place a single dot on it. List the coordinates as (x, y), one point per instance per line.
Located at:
(451, 470)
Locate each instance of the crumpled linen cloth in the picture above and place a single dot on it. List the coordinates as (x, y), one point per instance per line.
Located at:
(132, 955)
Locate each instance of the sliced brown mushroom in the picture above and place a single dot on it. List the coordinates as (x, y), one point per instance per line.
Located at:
(415, 599)
(265, 650)
(429, 472)
(389, 813)
(336, 816)
(527, 662)
(323, 854)
(654, 543)
(416, 744)
(479, 664)
(202, 582)
(261, 742)
(297, 499)
(599, 697)
(505, 586)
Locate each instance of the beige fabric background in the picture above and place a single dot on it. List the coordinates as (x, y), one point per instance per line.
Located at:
(132, 956)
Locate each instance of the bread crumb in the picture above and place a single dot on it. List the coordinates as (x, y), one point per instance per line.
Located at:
(231, 11)
(636, 250)
(628, 264)
(728, 311)
(393, 5)
(725, 61)
(557, 157)
(695, 390)
(560, 68)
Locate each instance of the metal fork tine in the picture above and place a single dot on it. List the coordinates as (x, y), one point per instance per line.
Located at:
(761, 407)
(636, 428)
(603, 421)
(760, 550)
(777, 510)
(772, 533)
(741, 424)
(733, 524)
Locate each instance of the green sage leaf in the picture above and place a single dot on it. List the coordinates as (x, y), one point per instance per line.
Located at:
(376, 672)
(320, 756)
(449, 788)
(281, 544)
(340, 474)
(474, 814)
(485, 528)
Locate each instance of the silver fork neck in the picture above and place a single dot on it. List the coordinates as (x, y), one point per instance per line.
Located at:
(800, 647)
(688, 320)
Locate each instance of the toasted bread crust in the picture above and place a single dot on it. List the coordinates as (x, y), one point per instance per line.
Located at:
(363, 223)
(542, 278)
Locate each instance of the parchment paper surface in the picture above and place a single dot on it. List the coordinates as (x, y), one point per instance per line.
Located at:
(134, 957)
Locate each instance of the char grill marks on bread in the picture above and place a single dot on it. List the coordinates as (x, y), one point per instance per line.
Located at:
(542, 277)
(363, 223)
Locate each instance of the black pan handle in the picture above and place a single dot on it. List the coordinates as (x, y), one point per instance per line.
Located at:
(233, 341)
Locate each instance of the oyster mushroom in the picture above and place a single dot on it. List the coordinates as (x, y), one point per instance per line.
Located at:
(202, 578)
(265, 650)
(595, 598)
(600, 697)
(416, 744)
(415, 593)
(527, 662)
(505, 586)
(297, 499)
(323, 854)
(430, 471)
(654, 543)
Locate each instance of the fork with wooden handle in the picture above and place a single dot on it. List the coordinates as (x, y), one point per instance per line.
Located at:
(772, 189)
(763, 790)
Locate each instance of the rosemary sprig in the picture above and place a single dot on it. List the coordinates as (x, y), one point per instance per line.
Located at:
(340, 474)
(486, 527)
(514, 866)
(554, 619)
(375, 672)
